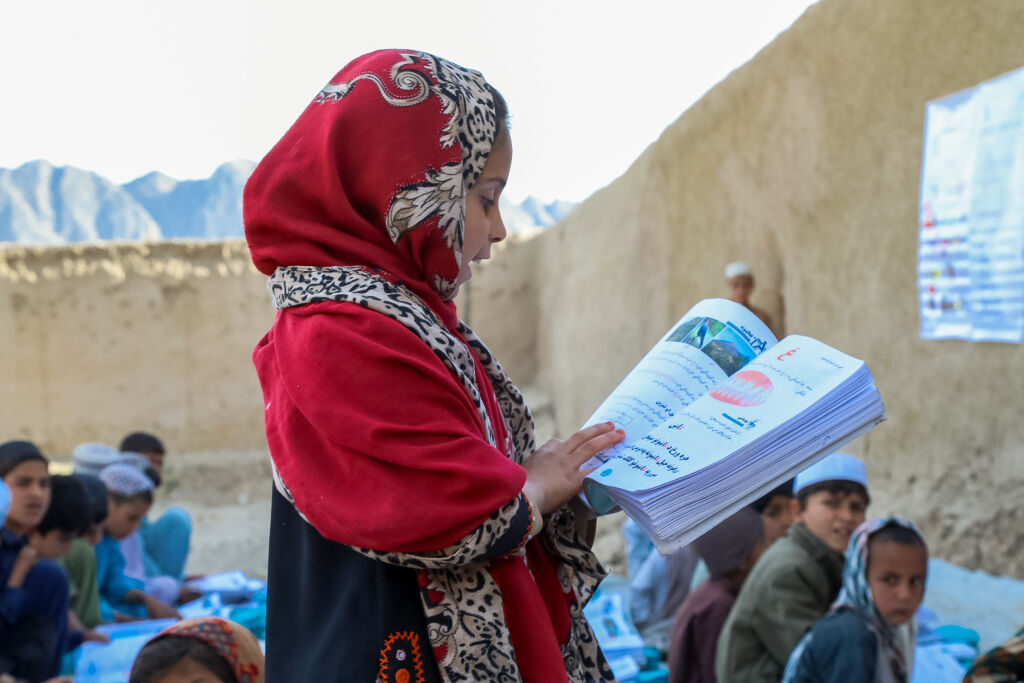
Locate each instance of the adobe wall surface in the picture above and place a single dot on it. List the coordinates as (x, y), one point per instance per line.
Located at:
(805, 162)
(102, 340)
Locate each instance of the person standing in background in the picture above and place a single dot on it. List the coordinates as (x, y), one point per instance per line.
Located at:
(740, 279)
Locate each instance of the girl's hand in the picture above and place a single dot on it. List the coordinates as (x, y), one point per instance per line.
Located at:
(553, 474)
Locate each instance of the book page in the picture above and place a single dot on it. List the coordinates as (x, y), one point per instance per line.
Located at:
(712, 341)
(769, 391)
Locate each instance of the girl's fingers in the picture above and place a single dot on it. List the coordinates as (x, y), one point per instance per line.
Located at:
(584, 435)
(595, 445)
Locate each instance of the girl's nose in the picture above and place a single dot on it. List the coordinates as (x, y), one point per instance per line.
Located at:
(498, 232)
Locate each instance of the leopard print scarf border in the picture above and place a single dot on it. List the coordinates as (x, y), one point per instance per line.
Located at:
(468, 643)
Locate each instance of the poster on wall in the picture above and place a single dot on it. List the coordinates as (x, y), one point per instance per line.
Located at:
(971, 214)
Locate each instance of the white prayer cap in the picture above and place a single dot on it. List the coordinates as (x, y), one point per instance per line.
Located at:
(736, 269)
(125, 479)
(91, 458)
(838, 466)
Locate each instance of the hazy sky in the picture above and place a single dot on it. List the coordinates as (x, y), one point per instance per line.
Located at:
(124, 87)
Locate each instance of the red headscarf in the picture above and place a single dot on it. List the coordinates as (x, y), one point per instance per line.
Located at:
(374, 173)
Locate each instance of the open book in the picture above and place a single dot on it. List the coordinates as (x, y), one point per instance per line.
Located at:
(718, 413)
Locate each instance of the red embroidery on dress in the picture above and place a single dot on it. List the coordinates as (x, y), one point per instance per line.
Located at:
(529, 528)
(401, 660)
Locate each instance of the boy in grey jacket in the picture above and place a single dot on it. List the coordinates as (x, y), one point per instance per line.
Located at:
(798, 577)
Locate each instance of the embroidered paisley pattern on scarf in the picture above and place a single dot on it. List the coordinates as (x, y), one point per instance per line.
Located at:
(471, 124)
(461, 601)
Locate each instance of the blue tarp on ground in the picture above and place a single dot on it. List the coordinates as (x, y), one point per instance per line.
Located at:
(991, 605)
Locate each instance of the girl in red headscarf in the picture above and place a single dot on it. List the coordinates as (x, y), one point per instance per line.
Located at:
(417, 533)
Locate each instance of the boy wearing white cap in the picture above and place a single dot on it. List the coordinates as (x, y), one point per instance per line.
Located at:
(798, 577)
(740, 279)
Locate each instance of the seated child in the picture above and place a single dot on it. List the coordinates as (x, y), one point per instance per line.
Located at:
(129, 495)
(656, 592)
(729, 551)
(67, 517)
(80, 561)
(33, 591)
(165, 541)
(776, 510)
(207, 649)
(883, 585)
(138, 565)
(798, 577)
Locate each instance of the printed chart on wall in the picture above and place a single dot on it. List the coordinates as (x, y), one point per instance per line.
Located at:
(971, 217)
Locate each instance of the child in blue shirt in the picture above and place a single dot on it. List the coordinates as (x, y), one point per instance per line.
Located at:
(165, 540)
(129, 496)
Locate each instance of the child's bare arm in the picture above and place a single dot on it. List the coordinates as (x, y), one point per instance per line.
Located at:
(154, 608)
(22, 565)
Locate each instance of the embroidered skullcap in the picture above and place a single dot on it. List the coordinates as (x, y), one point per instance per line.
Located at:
(13, 453)
(835, 467)
(233, 642)
(141, 463)
(125, 479)
(5, 501)
(91, 458)
(726, 547)
(736, 269)
(141, 442)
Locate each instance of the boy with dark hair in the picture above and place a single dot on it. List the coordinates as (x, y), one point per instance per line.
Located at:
(147, 445)
(66, 518)
(776, 510)
(798, 577)
(80, 561)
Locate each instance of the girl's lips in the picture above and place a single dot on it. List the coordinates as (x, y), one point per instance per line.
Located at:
(899, 616)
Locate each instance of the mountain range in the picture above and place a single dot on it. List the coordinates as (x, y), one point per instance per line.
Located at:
(45, 204)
